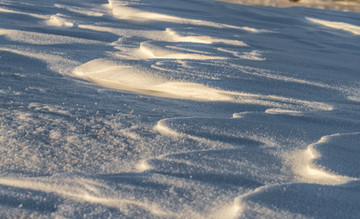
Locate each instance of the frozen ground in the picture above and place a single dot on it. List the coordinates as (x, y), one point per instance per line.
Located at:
(178, 109)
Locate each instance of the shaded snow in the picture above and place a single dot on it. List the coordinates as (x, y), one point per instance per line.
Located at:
(179, 109)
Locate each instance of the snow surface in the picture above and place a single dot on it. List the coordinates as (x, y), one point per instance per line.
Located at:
(179, 109)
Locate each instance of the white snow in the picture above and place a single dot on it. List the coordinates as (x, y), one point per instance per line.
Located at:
(345, 5)
(179, 109)
(304, 167)
(337, 25)
(58, 21)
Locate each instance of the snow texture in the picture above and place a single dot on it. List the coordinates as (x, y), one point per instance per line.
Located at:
(179, 109)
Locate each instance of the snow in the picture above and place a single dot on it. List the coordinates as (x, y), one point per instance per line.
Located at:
(338, 25)
(179, 109)
(344, 5)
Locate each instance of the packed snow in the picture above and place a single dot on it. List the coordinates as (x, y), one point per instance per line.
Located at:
(179, 109)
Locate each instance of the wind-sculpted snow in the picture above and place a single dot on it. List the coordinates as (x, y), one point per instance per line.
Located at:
(130, 78)
(344, 5)
(337, 25)
(304, 166)
(178, 109)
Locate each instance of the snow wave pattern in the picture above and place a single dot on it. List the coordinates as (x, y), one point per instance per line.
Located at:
(177, 109)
